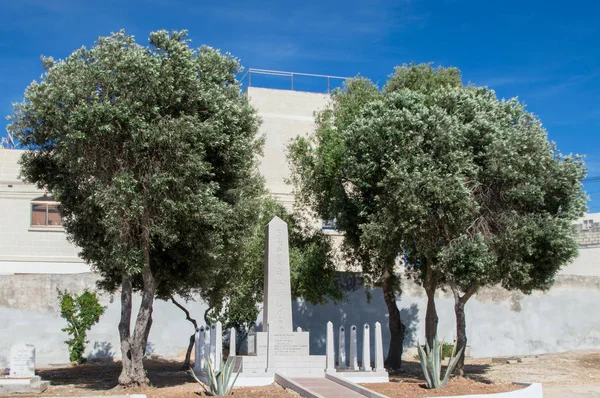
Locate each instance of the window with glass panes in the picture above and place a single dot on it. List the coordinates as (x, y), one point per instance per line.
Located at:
(45, 212)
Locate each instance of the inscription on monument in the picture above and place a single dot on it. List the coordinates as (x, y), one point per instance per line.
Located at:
(291, 344)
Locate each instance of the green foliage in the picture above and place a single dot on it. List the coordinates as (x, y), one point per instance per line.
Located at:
(447, 350)
(220, 383)
(81, 313)
(152, 152)
(431, 363)
(466, 188)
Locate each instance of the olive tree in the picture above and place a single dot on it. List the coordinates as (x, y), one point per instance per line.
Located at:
(148, 149)
(464, 186)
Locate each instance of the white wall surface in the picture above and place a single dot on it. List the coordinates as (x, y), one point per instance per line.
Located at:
(24, 248)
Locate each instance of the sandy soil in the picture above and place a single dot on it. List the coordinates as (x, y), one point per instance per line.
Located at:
(168, 381)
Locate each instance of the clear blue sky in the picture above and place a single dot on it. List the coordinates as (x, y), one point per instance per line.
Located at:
(545, 52)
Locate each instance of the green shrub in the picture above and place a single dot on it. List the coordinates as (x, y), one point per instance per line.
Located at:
(447, 350)
(81, 313)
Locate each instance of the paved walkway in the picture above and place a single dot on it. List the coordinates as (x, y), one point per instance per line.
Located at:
(326, 388)
(571, 391)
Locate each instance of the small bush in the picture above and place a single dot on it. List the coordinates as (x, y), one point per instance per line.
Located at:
(81, 313)
(447, 350)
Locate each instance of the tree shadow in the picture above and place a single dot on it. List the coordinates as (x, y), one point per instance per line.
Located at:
(101, 351)
(411, 372)
(357, 309)
(104, 376)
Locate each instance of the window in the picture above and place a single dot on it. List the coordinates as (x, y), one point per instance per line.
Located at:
(45, 212)
(588, 224)
(329, 224)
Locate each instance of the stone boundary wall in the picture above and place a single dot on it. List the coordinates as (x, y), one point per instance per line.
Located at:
(498, 322)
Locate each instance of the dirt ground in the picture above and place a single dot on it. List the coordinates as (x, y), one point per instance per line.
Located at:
(567, 369)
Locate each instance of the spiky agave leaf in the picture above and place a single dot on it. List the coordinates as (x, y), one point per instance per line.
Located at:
(199, 381)
(423, 359)
(451, 364)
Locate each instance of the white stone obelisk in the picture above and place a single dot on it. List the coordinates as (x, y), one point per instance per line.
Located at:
(379, 367)
(232, 342)
(353, 364)
(366, 349)
(206, 352)
(342, 348)
(218, 344)
(199, 354)
(330, 350)
(277, 308)
(270, 349)
(213, 344)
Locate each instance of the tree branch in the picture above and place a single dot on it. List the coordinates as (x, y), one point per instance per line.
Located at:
(187, 313)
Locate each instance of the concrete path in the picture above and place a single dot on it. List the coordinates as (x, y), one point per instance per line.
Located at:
(326, 388)
(571, 391)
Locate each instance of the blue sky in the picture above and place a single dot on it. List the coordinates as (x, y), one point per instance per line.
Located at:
(545, 52)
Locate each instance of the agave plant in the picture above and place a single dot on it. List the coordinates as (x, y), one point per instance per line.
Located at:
(219, 380)
(431, 363)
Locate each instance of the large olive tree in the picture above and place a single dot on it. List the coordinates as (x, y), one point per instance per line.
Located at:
(151, 151)
(465, 187)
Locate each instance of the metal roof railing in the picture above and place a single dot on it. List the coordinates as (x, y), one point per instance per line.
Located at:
(290, 75)
(7, 142)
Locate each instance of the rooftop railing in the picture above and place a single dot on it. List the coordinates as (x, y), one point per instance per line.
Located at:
(294, 81)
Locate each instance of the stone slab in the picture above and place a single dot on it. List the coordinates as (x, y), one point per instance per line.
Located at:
(22, 360)
(364, 377)
(28, 385)
(292, 343)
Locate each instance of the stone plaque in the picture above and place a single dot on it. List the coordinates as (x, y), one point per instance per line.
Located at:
(291, 343)
(22, 360)
(277, 309)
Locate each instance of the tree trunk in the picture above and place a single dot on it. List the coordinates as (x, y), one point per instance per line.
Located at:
(431, 316)
(133, 348)
(461, 324)
(394, 357)
(124, 327)
(188, 354)
(461, 336)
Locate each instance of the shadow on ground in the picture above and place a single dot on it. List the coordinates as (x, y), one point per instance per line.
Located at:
(411, 372)
(103, 375)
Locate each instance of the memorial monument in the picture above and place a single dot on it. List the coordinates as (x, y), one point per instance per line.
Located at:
(278, 348)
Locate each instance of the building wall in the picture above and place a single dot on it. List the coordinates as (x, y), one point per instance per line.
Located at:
(285, 115)
(23, 248)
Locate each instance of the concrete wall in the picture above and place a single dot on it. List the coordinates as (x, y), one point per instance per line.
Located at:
(498, 322)
(29, 313)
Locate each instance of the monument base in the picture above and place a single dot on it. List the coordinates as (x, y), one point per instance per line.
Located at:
(254, 372)
(14, 385)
